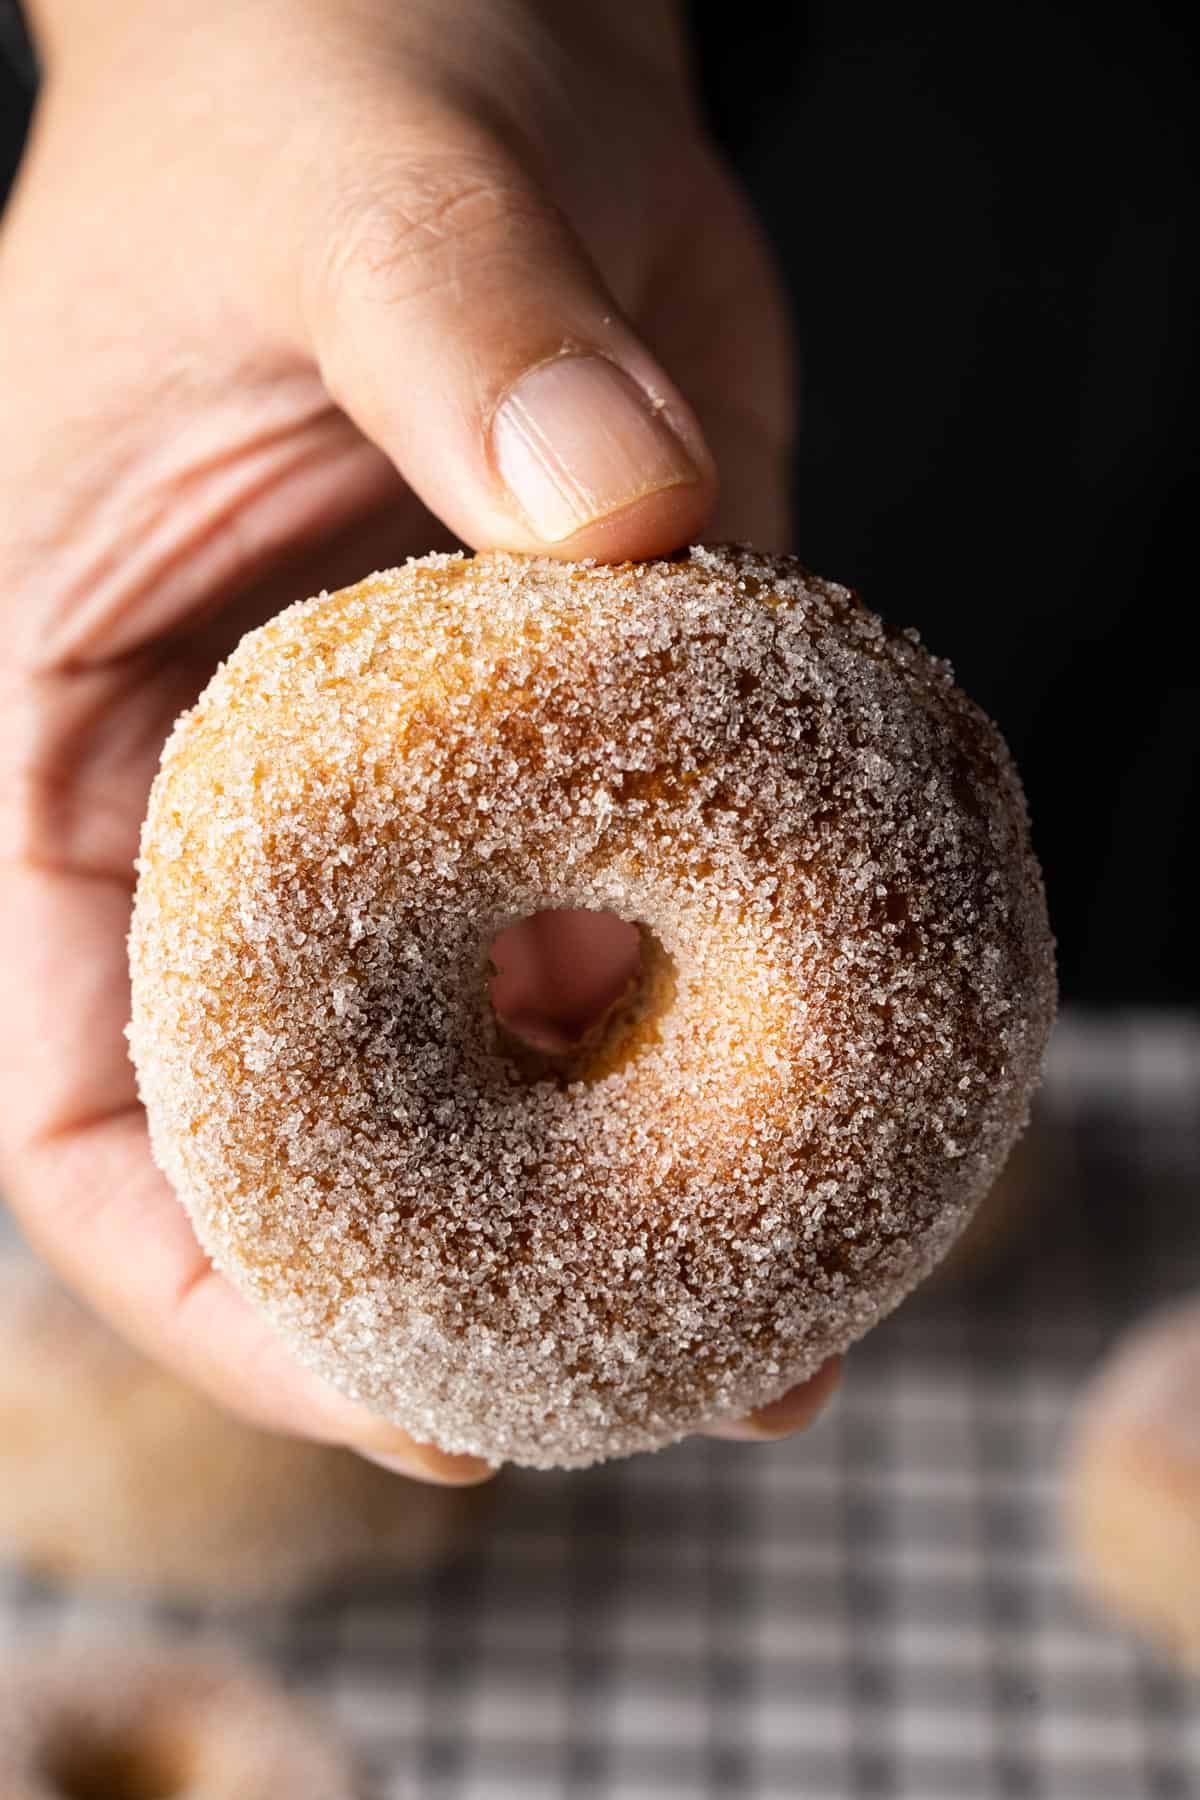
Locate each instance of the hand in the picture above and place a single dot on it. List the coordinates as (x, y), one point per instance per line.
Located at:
(289, 291)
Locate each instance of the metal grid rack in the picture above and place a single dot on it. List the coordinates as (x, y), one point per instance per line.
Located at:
(878, 1609)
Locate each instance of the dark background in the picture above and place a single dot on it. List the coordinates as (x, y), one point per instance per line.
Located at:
(987, 218)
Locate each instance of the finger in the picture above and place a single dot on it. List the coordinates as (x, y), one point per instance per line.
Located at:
(559, 972)
(794, 1411)
(755, 504)
(80, 1177)
(721, 308)
(454, 315)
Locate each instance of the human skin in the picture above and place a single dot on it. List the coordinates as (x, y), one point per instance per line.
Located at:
(289, 290)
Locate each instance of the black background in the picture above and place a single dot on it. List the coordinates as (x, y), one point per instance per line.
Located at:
(986, 217)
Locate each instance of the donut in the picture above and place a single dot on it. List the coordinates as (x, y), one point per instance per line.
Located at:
(112, 1471)
(845, 988)
(1132, 1485)
(104, 1722)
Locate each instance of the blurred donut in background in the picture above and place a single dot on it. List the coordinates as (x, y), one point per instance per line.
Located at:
(1132, 1490)
(101, 1722)
(113, 1470)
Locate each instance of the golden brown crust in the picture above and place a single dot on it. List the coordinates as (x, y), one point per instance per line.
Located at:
(827, 843)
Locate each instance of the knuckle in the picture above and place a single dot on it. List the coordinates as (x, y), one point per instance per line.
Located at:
(421, 224)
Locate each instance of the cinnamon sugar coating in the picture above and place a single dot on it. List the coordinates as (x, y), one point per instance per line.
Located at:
(849, 989)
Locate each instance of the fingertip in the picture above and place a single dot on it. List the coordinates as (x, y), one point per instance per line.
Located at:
(655, 524)
(423, 1462)
(793, 1412)
(528, 415)
(594, 460)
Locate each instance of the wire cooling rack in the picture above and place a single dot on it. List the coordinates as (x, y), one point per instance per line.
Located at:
(880, 1608)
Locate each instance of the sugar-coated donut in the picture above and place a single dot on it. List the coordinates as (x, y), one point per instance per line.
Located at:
(1132, 1489)
(103, 1722)
(847, 988)
(111, 1470)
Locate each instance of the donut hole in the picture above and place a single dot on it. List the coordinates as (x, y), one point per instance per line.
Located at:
(567, 988)
(87, 1767)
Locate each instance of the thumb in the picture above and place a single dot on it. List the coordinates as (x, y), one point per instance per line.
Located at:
(455, 317)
